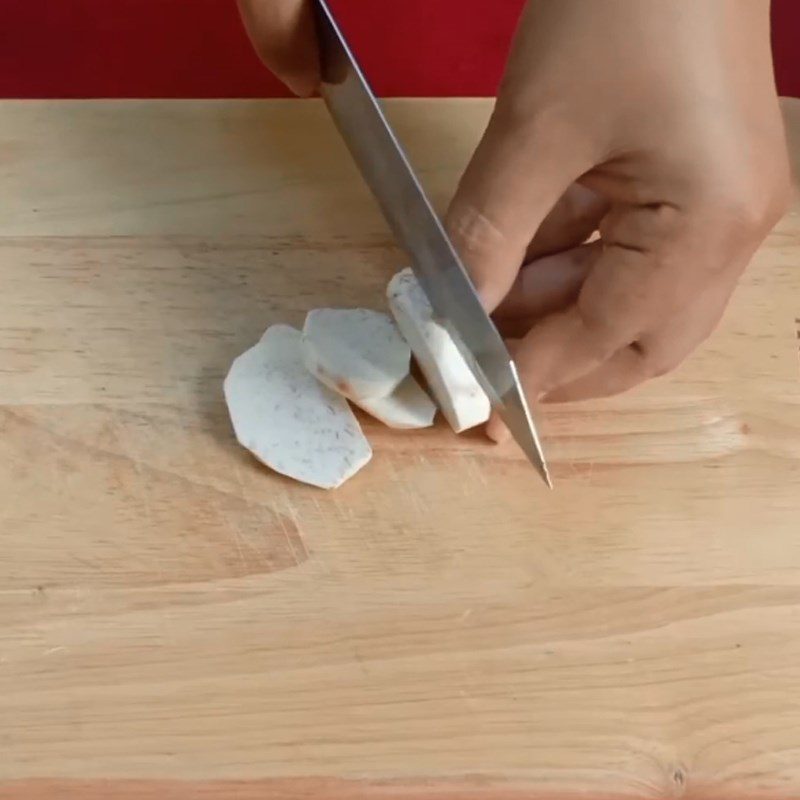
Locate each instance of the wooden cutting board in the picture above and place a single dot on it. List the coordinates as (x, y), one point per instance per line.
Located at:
(176, 621)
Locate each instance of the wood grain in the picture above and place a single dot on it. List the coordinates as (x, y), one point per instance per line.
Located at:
(177, 621)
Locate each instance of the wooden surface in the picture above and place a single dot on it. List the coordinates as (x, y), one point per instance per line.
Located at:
(175, 621)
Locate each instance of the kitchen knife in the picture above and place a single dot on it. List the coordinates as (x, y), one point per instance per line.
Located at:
(386, 170)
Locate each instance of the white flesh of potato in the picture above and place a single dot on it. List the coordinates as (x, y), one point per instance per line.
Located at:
(358, 352)
(406, 408)
(340, 346)
(459, 395)
(287, 419)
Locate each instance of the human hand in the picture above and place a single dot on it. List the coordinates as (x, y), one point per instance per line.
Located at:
(656, 124)
(283, 34)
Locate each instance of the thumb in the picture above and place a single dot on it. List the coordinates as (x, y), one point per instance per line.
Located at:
(516, 176)
(284, 37)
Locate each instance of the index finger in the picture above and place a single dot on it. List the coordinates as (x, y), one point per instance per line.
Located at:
(629, 291)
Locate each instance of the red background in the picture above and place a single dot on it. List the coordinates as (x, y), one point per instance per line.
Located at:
(197, 48)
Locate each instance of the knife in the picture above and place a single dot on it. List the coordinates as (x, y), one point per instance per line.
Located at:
(388, 173)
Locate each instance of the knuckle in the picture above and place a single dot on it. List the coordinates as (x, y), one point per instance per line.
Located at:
(654, 365)
(782, 193)
(750, 200)
(482, 245)
(657, 368)
(471, 230)
(754, 208)
(540, 123)
(600, 332)
(520, 104)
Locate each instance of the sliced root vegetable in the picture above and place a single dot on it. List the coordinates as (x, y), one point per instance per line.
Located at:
(407, 407)
(459, 395)
(287, 419)
(358, 352)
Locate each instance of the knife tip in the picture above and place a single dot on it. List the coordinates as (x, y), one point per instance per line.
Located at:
(536, 457)
(518, 419)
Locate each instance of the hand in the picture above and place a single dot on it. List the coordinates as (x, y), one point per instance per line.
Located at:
(283, 34)
(656, 124)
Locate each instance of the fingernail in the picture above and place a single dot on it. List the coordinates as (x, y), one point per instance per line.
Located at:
(497, 431)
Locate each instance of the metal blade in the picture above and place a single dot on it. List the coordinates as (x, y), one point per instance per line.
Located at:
(518, 419)
(389, 175)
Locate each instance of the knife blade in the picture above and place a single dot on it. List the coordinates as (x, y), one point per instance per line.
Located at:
(389, 175)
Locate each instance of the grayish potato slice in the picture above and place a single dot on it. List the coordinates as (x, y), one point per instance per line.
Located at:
(462, 400)
(287, 419)
(356, 351)
(406, 408)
